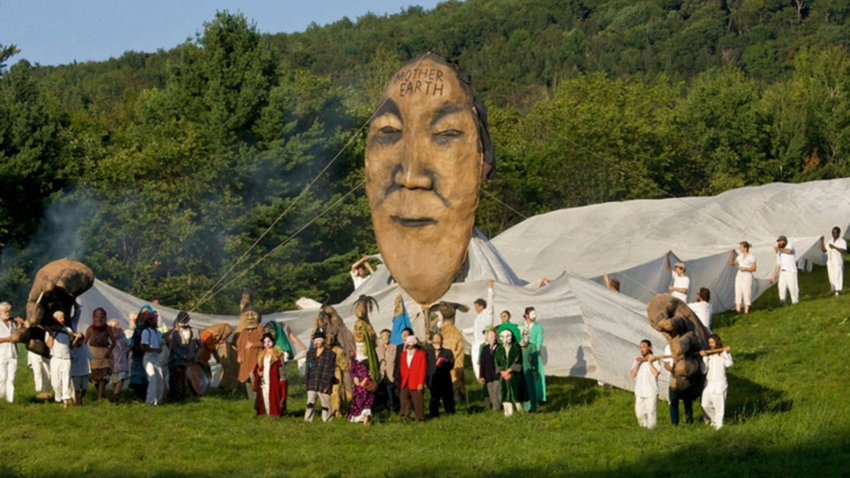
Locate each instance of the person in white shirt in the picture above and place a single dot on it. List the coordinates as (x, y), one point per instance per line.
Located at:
(786, 267)
(681, 282)
(702, 307)
(646, 386)
(152, 347)
(8, 352)
(714, 394)
(835, 250)
(746, 264)
(59, 341)
(486, 316)
(358, 271)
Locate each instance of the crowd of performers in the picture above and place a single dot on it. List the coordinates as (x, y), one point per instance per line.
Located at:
(347, 372)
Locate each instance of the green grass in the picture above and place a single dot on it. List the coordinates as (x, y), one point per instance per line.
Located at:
(788, 413)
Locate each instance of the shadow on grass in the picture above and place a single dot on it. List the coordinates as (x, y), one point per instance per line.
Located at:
(752, 399)
(570, 392)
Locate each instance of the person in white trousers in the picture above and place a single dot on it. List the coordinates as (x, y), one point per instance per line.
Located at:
(152, 346)
(59, 342)
(8, 352)
(835, 249)
(646, 386)
(40, 371)
(786, 267)
(714, 394)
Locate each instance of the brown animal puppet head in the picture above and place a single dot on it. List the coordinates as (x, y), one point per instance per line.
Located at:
(364, 306)
(328, 316)
(685, 334)
(427, 152)
(448, 310)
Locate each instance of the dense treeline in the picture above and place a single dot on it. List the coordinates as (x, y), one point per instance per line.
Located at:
(161, 169)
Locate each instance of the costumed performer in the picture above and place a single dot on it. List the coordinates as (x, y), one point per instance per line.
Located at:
(319, 377)
(453, 340)
(185, 344)
(120, 358)
(386, 352)
(646, 386)
(101, 341)
(363, 398)
(212, 338)
(401, 321)
(746, 265)
(270, 379)
(714, 395)
(681, 283)
(340, 398)
(413, 370)
(509, 367)
(60, 342)
(248, 345)
(532, 364)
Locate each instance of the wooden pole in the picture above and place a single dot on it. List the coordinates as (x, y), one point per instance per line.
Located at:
(662, 357)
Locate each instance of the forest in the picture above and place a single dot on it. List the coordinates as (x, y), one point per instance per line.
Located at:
(163, 170)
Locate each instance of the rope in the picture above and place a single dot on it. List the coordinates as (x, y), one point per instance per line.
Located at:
(279, 246)
(502, 203)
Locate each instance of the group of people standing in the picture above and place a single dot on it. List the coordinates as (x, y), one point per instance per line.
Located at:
(711, 389)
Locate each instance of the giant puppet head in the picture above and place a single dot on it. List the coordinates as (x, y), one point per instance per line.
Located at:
(427, 152)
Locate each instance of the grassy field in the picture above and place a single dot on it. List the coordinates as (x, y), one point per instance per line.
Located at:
(788, 413)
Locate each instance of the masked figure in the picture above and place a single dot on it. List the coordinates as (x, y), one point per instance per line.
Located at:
(248, 346)
(453, 341)
(339, 395)
(511, 380)
(186, 348)
(365, 334)
(686, 337)
(427, 152)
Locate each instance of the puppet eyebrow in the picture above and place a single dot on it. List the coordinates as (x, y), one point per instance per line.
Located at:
(447, 109)
(388, 107)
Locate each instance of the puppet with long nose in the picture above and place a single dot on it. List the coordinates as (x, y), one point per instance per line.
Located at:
(425, 160)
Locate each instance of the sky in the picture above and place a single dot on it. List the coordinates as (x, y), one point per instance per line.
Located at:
(53, 32)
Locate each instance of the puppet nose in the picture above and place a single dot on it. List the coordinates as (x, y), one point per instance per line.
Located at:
(414, 173)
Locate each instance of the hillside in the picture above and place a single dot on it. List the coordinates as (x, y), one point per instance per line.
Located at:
(786, 415)
(161, 170)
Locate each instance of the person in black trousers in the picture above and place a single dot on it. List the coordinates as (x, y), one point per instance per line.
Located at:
(440, 364)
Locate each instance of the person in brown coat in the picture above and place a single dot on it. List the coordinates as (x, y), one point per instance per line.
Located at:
(248, 346)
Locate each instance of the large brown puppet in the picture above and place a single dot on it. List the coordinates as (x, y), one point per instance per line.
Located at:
(55, 288)
(427, 152)
(453, 340)
(685, 334)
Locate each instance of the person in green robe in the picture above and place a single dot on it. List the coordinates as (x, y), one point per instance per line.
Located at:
(511, 379)
(532, 345)
(506, 324)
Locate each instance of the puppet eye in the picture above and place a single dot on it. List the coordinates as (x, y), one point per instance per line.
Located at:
(446, 136)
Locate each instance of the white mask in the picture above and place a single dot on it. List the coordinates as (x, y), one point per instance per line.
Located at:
(507, 337)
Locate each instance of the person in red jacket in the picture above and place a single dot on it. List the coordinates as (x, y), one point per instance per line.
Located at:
(413, 368)
(269, 377)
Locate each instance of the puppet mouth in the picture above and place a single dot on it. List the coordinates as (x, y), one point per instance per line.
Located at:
(413, 222)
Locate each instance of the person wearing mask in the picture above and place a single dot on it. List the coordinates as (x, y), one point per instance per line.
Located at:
(786, 268)
(532, 348)
(746, 264)
(185, 349)
(120, 358)
(270, 379)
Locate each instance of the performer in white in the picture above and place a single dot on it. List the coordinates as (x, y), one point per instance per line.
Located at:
(8, 352)
(746, 264)
(681, 283)
(485, 317)
(646, 386)
(714, 395)
(786, 267)
(835, 249)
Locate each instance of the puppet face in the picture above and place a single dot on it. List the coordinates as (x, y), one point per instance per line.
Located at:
(507, 337)
(424, 163)
(252, 318)
(360, 349)
(268, 343)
